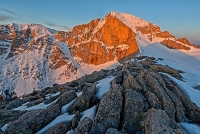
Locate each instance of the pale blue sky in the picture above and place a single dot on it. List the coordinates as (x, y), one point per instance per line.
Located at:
(180, 17)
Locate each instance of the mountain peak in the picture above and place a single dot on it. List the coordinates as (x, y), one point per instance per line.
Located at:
(19, 27)
(130, 20)
(37, 28)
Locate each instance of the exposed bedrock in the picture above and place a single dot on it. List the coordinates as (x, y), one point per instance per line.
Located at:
(140, 99)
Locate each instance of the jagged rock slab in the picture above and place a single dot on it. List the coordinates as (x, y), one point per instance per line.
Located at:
(61, 128)
(134, 107)
(84, 126)
(156, 121)
(110, 107)
(33, 121)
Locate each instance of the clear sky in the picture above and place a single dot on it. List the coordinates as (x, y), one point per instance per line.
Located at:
(180, 17)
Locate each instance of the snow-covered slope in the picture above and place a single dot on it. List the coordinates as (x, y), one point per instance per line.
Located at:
(32, 59)
(187, 61)
(131, 21)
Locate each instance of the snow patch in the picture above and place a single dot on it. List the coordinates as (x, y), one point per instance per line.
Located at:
(78, 94)
(61, 118)
(192, 93)
(187, 61)
(23, 107)
(47, 96)
(4, 127)
(103, 86)
(190, 128)
(90, 113)
(66, 107)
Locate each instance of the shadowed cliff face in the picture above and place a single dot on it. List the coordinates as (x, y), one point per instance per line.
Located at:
(101, 41)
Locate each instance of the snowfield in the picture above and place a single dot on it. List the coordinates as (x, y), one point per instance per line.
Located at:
(187, 61)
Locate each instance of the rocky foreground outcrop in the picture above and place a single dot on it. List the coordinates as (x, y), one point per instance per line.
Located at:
(141, 99)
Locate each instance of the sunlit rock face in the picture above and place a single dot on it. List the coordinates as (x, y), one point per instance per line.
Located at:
(101, 41)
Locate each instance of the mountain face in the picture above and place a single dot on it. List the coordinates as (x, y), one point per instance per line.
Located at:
(32, 57)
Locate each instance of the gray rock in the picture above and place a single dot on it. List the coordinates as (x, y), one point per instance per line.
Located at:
(110, 107)
(9, 115)
(61, 128)
(134, 106)
(75, 120)
(191, 109)
(140, 79)
(166, 69)
(197, 87)
(15, 103)
(83, 102)
(84, 126)
(179, 108)
(113, 131)
(130, 81)
(91, 78)
(118, 78)
(33, 121)
(50, 100)
(158, 90)
(66, 97)
(30, 104)
(156, 121)
(153, 101)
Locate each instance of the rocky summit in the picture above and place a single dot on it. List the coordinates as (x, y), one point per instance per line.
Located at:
(140, 99)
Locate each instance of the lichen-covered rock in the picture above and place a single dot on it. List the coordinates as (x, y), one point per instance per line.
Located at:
(83, 102)
(166, 69)
(61, 128)
(30, 104)
(134, 106)
(158, 90)
(33, 121)
(110, 107)
(179, 108)
(191, 109)
(75, 120)
(15, 103)
(84, 126)
(113, 131)
(9, 115)
(153, 101)
(156, 121)
(66, 97)
(118, 78)
(129, 81)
